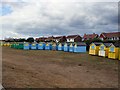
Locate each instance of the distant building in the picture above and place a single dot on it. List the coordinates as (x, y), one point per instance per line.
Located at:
(74, 38)
(41, 39)
(49, 39)
(110, 36)
(60, 39)
(90, 36)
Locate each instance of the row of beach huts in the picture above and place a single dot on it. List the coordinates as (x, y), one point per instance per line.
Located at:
(109, 50)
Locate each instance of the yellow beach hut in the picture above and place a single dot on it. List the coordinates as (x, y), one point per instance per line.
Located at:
(104, 49)
(114, 51)
(94, 48)
(119, 53)
(1, 43)
(8, 44)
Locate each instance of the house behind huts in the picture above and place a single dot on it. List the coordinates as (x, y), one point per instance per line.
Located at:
(90, 36)
(60, 39)
(41, 39)
(74, 38)
(49, 39)
(110, 36)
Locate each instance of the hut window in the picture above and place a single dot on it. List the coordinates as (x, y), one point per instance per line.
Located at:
(65, 44)
(71, 45)
(92, 47)
(26, 44)
(112, 49)
(54, 44)
(40, 44)
(102, 47)
(60, 45)
(75, 45)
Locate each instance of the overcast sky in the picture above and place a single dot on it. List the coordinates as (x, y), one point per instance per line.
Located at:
(25, 18)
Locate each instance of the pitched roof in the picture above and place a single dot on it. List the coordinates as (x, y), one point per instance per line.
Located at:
(81, 44)
(90, 35)
(117, 44)
(41, 38)
(50, 38)
(107, 44)
(72, 36)
(111, 34)
(59, 37)
(97, 43)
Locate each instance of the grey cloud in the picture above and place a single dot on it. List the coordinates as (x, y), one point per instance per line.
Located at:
(97, 17)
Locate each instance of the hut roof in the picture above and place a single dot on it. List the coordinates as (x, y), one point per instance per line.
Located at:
(72, 36)
(81, 44)
(59, 37)
(107, 44)
(97, 43)
(61, 43)
(117, 44)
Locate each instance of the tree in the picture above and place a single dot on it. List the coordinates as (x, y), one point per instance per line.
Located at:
(88, 42)
(30, 39)
(22, 40)
(96, 40)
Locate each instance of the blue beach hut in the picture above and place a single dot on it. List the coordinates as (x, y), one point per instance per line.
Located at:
(41, 46)
(54, 46)
(71, 47)
(60, 46)
(33, 46)
(26, 46)
(48, 46)
(66, 47)
(79, 47)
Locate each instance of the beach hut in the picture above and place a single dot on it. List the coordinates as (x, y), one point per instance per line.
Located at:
(119, 54)
(26, 46)
(4, 44)
(94, 48)
(48, 46)
(71, 47)
(17, 46)
(8, 44)
(104, 49)
(12, 45)
(1, 44)
(114, 51)
(66, 47)
(41, 46)
(79, 47)
(60, 46)
(20, 45)
(33, 46)
(54, 46)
